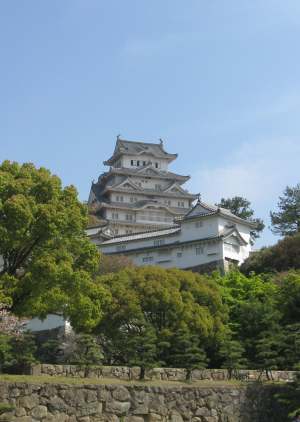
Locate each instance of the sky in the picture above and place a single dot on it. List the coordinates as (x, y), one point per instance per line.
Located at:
(218, 81)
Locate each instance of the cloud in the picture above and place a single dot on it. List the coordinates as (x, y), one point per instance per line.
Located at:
(258, 170)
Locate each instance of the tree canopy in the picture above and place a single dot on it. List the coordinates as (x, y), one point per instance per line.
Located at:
(286, 221)
(241, 207)
(48, 262)
(155, 304)
(283, 256)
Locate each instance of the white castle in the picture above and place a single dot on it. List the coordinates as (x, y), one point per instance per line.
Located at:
(143, 212)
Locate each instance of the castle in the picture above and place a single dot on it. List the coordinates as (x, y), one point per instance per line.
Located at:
(143, 211)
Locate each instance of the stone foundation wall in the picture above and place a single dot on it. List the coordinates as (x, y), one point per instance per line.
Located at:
(139, 403)
(164, 374)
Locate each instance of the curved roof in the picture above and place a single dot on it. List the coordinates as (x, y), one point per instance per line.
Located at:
(137, 148)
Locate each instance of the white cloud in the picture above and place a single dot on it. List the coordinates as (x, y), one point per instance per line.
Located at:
(258, 170)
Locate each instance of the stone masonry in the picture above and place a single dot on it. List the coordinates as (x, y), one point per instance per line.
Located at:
(139, 403)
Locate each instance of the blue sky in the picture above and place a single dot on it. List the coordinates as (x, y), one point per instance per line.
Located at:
(218, 80)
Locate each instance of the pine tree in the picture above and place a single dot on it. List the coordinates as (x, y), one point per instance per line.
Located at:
(286, 221)
(186, 352)
(232, 353)
(141, 348)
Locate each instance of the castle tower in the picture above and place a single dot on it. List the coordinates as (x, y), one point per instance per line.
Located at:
(138, 193)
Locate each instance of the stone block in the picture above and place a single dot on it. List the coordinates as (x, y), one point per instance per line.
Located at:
(39, 412)
(117, 407)
(121, 394)
(28, 402)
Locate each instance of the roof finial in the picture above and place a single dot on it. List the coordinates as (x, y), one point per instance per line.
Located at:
(199, 198)
(118, 137)
(161, 141)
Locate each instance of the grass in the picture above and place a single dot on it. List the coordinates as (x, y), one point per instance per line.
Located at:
(44, 379)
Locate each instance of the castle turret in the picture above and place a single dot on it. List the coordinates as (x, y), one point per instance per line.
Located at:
(138, 192)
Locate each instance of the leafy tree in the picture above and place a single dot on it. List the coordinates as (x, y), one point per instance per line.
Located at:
(24, 352)
(269, 352)
(232, 352)
(283, 256)
(241, 207)
(87, 351)
(186, 352)
(6, 357)
(113, 264)
(49, 351)
(48, 263)
(286, 221)
(164, 300)
(141, 348)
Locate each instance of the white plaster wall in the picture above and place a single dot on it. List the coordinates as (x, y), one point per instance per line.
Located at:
(126, 161)
(191, 230)
(179, 256)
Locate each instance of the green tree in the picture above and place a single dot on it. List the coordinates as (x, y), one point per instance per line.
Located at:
(141, 348)
(48, 263)
(24, 352)
(186, 352)
(87, 351)
(283, 256)
(6, 356)
(164, 300)
(232, 352)
(286, 221)
(241, 207)
(269, 354)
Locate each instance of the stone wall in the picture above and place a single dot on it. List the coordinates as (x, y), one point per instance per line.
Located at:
(139, 403)
(164, 374)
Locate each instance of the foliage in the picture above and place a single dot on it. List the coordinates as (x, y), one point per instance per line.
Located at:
(286, 221)
(283, 256)
(186, 352)
(113, 264)
(16, 353)
(87, 351)
(158, 303)
(6, 358)
(241, 207)
(232, 352)
(49, 351)
(48, 263)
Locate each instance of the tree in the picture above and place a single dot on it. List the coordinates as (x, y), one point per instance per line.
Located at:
(232, 352)
(86, 351)
(113, 264)
(241, 207)
(162, 300)
(186, 352)
(141, 348)
(283, 256)
(286, 221)
(48, 263)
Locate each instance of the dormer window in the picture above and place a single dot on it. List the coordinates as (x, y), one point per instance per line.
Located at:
(132, 162)
(144, 163)
(138, 163)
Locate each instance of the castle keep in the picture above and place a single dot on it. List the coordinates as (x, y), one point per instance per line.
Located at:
(143, 212)
(138, 193)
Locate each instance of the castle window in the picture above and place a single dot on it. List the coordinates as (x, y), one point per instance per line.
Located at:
(159, 242)
(138, 163)
(144, 163)
(132, 162)
(181, 204)
(156, 165)
(179, 254)
(115, 216)
(157, 187)
(120, 248)
(148, 259)
(199, 224)
(199, 250)
(129, 217)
